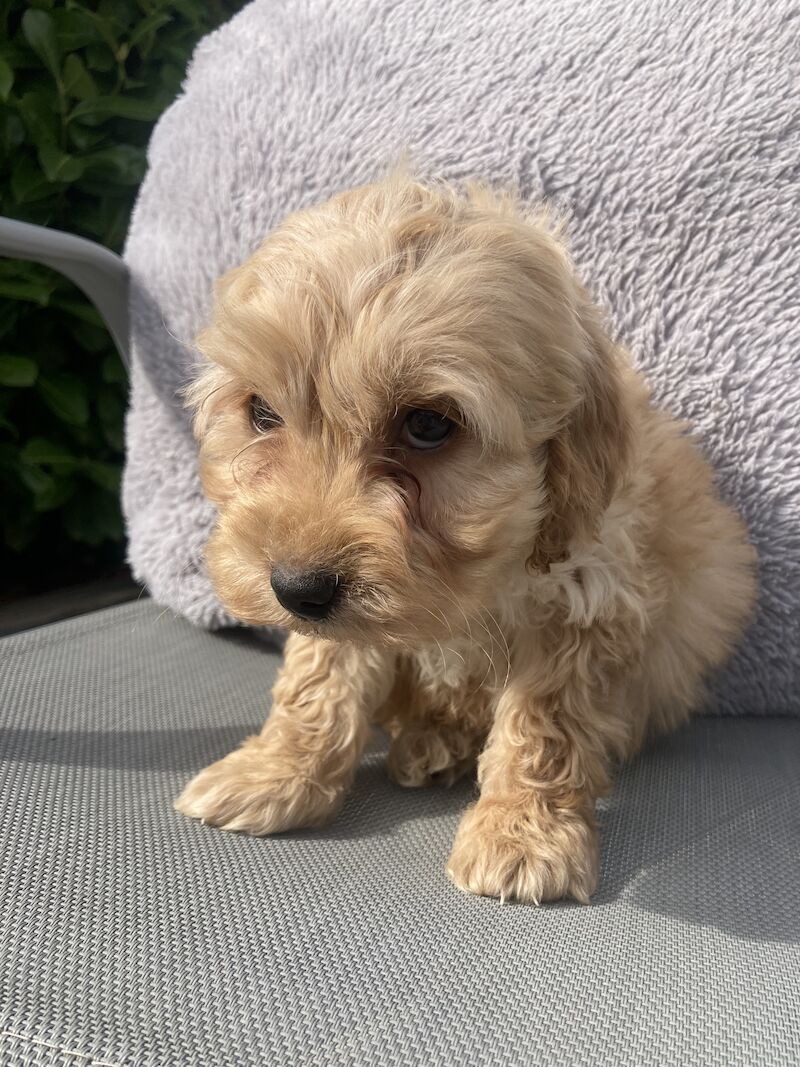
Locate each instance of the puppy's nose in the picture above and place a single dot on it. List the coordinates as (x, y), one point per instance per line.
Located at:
(307, 594)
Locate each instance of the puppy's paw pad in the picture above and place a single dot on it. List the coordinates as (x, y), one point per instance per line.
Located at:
(497, 854)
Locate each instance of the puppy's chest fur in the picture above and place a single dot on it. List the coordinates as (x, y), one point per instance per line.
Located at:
(459, 681)
(445, 685)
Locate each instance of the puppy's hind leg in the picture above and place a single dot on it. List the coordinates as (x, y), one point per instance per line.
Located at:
(296, 772)
(437, 731)
(432, 755)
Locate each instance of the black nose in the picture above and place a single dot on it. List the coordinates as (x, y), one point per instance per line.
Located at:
(307, 594)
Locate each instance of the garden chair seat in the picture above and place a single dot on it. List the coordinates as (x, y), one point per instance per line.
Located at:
(132, 936)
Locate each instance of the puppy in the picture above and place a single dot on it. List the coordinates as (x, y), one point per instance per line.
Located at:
(434, 467)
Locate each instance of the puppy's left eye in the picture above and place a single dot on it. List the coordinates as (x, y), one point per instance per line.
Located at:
(262, 417)
(426, 429)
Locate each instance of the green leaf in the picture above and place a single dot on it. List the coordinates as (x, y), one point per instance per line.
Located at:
(58, 493)
(74, 28)
(115, 16)
(37, 292)
(85, 436)
(39, 31)
(116, 217)
(121, 107)
(87, 219)
(78, 82)
(100, 58)
(35, 479)
(83, 137)
(17, 371)
(80, 309)
(58, 166)
(148, 25)
(23, 268)
(91, 338)
(66, 396)
(171, 77)
(124, 163)
(41, 450)
(28, 184)
(106, 475)
(113, 371)
(6, 79)
(39, 112)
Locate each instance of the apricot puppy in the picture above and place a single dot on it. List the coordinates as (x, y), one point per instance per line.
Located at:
(433, 466)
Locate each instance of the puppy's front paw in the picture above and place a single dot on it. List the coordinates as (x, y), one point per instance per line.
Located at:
(521, 852)
(258, 790)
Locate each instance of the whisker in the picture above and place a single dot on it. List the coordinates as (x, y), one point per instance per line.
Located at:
(441, 616)
(489, 657)
(491, 665)
(505, 643)
(454, 600)
(441, 653)
(178, 340)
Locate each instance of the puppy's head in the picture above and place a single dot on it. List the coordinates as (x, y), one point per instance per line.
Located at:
(409, 403)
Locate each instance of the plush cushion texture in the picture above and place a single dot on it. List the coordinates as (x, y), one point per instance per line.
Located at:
(669, 131)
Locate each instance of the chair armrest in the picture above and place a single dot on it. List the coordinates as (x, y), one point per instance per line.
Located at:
(100, 273)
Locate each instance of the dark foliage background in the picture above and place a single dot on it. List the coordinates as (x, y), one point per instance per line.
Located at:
(81, 85)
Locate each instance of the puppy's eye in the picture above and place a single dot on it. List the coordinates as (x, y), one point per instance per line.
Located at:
(262, 417)
(426, 429)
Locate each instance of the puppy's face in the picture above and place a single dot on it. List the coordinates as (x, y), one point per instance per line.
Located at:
(389, 414)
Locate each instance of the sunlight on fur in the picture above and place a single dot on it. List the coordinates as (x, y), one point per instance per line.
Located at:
(432, 464)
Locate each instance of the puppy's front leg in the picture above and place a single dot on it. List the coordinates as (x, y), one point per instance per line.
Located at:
(297, 771)
(531, 836)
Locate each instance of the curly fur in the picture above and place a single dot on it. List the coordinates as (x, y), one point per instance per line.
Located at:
(538, 595)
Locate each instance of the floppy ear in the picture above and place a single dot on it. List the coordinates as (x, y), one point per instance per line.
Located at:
(205, 397)
(586, 456)
(209, 397)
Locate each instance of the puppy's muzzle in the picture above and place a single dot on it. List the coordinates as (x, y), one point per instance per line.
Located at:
(307, 594)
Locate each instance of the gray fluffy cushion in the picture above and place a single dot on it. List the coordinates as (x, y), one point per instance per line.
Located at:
(669, 130)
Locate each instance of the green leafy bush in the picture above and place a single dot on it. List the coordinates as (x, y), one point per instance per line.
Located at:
(81, 85)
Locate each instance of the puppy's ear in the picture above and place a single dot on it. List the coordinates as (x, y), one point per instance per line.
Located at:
(205, 398)
(586, 456)
(209, 397)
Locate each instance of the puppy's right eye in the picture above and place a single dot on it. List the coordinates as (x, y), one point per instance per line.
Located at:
(262, 417)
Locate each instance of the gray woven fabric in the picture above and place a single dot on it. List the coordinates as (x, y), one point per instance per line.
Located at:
(671, 132)
(132, 936)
